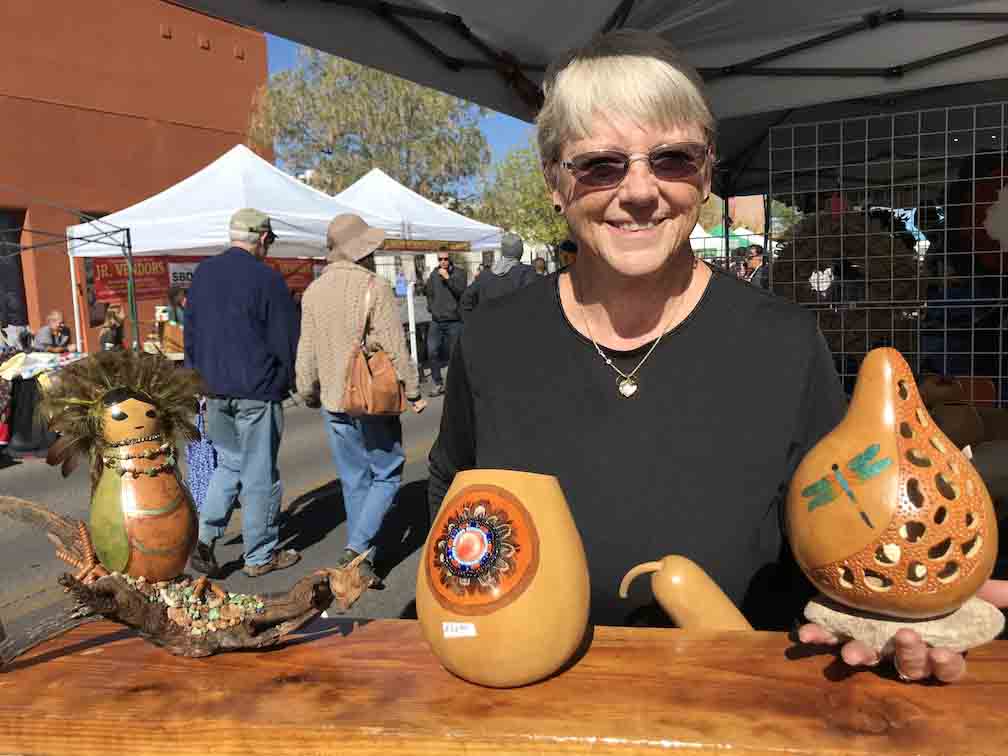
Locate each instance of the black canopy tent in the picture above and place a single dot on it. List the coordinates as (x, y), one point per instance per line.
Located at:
(765, 63)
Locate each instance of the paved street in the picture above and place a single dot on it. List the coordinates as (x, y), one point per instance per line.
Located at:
(314, 523)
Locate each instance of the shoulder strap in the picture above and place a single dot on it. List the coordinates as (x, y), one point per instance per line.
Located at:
(367, 309)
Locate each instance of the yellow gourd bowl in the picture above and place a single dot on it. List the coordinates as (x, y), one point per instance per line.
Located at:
(502, 589)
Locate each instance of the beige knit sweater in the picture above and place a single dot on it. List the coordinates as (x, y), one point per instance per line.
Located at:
(332, 320)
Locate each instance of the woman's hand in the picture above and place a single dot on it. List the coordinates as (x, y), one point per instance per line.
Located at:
(912, 657)
(419, 405)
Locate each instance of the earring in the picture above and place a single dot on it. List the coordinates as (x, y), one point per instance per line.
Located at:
(557, 208)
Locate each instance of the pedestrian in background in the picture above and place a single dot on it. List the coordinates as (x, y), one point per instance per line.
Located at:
(508, 274)
(347, 301)
(54, 336)
(757, 272)
(444, 289)
(539, 265)
(110, 337)
(241, 336)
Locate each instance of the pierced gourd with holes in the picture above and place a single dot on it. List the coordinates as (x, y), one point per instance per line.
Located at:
(885, 514)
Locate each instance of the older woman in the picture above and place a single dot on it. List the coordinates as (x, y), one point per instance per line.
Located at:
(347, 302)
(626, 388)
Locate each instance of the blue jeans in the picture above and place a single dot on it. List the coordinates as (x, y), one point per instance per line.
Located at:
(246, 436)
(441, 338)
(369, 458)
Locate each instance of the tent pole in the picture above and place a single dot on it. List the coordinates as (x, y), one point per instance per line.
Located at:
(411, 313)
(767, 251)
(725, 220)
(73, 293)
(130, 289)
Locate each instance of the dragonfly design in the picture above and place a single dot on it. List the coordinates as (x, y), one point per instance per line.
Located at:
(863, 465)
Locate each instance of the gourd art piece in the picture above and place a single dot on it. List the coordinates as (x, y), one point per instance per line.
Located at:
(124, 411)
(885, 514)
(502, 587)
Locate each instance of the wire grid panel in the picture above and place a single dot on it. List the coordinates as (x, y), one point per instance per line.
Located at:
(889, 246)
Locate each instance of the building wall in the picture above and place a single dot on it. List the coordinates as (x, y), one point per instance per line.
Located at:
(104, 103)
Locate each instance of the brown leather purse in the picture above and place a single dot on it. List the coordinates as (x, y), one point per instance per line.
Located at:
(372, 386)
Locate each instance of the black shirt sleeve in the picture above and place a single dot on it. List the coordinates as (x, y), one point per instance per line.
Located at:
(777, 595)
(455, 447)
(823, 403)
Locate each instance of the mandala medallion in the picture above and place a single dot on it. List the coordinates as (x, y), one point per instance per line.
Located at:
(484, 551)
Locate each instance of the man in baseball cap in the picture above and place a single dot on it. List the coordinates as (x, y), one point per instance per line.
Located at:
(252, 226)
(241, 335)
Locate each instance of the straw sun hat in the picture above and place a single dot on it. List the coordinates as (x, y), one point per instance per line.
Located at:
(350, 238)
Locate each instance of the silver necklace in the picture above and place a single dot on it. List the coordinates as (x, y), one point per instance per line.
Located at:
(628, 385)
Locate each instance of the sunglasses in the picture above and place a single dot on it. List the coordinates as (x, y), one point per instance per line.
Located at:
(668, 162)
(443, 259)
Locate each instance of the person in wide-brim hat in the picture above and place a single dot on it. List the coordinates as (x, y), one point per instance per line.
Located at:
(350, 238)
(347, 302)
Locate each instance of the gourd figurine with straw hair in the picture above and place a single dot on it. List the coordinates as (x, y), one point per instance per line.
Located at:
(125, 411)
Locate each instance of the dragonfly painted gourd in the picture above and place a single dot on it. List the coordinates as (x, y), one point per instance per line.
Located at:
(885, 514)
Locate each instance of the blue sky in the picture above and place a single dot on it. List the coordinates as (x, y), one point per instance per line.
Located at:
(503, 133)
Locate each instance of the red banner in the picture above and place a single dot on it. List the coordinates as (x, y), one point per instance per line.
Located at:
(153, 276)
(150, 279)
(296, 272)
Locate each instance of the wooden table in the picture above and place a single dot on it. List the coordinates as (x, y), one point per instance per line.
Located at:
(374, 688)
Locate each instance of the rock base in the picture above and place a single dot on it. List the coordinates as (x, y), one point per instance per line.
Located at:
(975, 623)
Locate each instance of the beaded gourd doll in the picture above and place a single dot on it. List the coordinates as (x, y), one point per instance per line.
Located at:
(124, 410)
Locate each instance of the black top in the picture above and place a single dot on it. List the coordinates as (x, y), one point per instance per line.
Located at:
(443, 295)
(241, 327)
(488, 285)
(697, 463)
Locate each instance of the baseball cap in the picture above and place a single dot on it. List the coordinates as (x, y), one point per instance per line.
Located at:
(251, 221)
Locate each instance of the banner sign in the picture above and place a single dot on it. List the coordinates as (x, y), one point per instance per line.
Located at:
(153, 276)
(180, 273)
(297, 273)
(424, 245)
(150, 279)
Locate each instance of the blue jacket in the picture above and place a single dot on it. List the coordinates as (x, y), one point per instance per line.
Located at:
(241, 328)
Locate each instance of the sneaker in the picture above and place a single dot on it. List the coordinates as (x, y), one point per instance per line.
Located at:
(438, 390)
(348, 556)
(368, 575)
(203, 560)
(281, 561)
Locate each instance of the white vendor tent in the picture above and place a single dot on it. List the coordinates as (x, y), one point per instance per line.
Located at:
(191, 217)
(404, 214)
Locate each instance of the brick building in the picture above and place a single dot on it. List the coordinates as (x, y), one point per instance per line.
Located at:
(104, 103)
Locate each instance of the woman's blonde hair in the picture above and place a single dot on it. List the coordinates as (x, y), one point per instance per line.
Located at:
(635, 74)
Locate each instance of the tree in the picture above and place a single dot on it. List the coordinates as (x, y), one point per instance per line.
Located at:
(518, 200)
(783, 218)
(338, 120)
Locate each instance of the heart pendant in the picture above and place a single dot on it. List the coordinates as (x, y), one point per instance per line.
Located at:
(627, 387)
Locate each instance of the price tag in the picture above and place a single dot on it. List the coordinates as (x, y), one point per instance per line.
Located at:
(458, 629)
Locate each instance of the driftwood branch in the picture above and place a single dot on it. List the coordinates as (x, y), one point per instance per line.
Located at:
(63, 531)
(50, 627)
(114, 598)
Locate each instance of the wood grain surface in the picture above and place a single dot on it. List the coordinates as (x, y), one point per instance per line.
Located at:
(374, 688)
